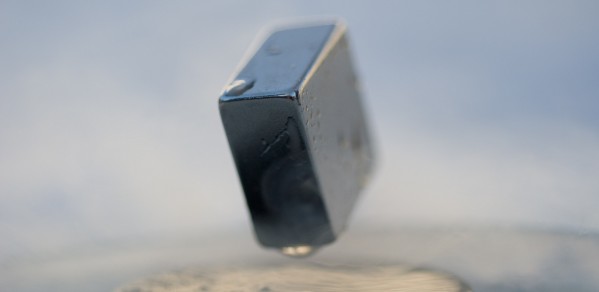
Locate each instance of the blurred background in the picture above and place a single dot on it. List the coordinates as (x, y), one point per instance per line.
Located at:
(484, 114)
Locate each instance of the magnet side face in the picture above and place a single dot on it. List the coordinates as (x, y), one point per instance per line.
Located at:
(338, 131)
(282, 192)
(298, 136)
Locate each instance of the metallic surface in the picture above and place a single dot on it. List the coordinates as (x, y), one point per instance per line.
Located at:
(297, 131)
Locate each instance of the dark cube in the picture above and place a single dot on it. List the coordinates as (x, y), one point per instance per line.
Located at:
(295, 124)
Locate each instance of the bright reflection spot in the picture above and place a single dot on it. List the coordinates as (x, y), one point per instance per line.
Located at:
(298, 251)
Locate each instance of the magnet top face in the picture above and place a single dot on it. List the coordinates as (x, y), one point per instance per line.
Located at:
(297, 131)
(282, 62)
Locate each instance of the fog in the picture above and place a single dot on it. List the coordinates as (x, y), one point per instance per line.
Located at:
(484, 114)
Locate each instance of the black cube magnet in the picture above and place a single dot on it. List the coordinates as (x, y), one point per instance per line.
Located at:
(296, 127)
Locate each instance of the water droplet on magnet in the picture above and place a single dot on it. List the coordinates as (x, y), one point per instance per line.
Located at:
(238, 87)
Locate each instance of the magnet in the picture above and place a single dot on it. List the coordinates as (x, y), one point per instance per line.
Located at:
(297, 130)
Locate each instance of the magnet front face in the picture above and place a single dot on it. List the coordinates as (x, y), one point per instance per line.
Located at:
(297, 131)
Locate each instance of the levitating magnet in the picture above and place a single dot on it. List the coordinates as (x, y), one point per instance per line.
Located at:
(296, 127)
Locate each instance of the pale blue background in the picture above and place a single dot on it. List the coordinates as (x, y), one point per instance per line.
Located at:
(485, 114)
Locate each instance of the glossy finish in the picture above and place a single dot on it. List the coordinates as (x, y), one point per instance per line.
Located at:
(297, 131)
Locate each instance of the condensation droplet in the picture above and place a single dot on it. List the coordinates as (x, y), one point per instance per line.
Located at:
(238, 87)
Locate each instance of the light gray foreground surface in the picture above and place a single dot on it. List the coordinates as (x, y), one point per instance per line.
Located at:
(498, 260)
(301, 278)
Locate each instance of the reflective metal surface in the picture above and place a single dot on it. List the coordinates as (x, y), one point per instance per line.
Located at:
(298, 134)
